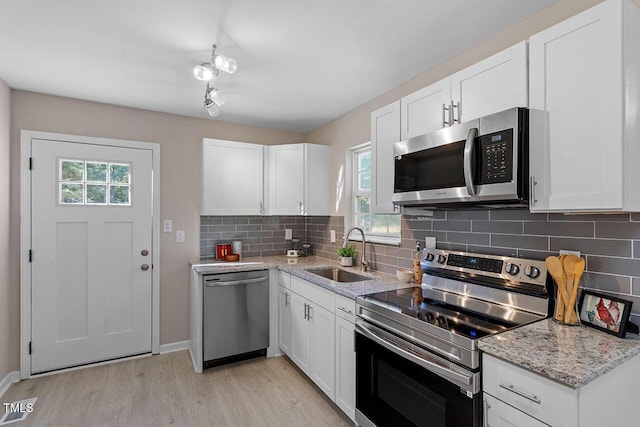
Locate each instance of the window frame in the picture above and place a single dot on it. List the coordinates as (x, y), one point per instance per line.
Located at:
(353, 191)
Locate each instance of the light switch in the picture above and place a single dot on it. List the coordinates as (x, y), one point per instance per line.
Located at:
(288, 234)
(430, 242)
(167, 226)
(333, 236)
(567, 252)
(180, 236)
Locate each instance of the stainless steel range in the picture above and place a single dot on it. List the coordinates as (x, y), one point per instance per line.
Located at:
(417, 360)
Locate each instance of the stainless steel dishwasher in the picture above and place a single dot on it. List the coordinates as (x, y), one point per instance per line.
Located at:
(235, 316)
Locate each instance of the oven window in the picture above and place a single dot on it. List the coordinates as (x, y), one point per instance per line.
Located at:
(393, 391)
(434, 168)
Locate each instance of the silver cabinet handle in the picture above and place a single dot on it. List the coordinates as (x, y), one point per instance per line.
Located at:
(469, 156)
(345, 310)
(210, 283)
(532, 192)
(512, 389)
(305, 311)
(286, 299)
(452, 120)
(485, 416)
(444, 111)
(301, 208)
(457, 106)
(309, 312)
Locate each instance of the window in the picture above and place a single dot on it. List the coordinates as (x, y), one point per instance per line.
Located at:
(94, 183)
(381, 228)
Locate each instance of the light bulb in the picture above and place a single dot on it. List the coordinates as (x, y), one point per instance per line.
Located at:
(216, 97)
(226, 64)
(203, 72)
(212, 109)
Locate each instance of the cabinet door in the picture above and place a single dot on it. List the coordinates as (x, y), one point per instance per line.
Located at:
(317, 179)
(286, 179)
(576, 137)
(232, 178)
(492, 85)
(322, 370)
(422, 111)
(345, 367)
(499, 414)
(300, 329)
(284, 319)
(385, 131)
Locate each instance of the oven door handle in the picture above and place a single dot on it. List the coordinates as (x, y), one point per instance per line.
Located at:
(469, 159)
(433, 367)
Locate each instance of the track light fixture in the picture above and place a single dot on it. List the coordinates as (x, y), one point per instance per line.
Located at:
(207, 72)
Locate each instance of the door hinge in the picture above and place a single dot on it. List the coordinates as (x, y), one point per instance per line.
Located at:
(30, 255)
(30, 163)
(30, 349)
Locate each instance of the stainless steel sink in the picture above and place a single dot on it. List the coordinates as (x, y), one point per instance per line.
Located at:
(338, 275)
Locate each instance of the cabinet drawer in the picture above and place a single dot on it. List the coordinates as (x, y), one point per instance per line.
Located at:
(313, 293)
(546, 400)
(346, 308)
(284, 279)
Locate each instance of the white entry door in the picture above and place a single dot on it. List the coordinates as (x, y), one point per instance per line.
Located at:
(91, 231)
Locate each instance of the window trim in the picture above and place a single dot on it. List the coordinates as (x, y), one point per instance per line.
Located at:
(350, 158)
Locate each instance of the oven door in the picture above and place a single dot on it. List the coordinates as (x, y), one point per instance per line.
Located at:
(398, 384)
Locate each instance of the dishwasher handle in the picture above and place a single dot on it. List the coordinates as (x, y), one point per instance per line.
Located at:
(211, 283)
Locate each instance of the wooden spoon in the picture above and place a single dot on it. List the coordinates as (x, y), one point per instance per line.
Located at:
(569, 265)
(578, 269)
(554, 266)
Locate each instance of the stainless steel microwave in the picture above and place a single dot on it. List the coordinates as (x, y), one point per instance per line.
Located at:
(480, 163)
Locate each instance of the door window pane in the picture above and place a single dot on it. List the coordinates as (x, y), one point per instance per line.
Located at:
(96, 194)
(119, 194)
(72, 193)
(96, 172)
(119, 174)
(71, 170)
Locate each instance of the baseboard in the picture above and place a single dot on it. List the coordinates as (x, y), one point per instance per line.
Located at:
(10, 378)
(174, 346)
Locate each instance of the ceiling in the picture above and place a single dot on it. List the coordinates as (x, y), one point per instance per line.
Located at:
(301, 63)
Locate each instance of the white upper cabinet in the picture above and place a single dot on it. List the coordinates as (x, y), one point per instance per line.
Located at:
(385, 131)
(584, 87)
(299, 179)
(492, 85)
(424, 111)
(232, 178)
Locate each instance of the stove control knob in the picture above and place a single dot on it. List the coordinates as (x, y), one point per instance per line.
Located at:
(532, 271)
(512, 269)
(442, 259)
(430, 257)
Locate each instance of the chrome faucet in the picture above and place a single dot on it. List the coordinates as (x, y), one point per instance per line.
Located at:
(364, 264)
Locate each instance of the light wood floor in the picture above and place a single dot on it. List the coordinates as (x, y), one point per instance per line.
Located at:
(165, 390)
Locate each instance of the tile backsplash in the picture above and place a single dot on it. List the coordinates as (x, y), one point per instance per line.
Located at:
(610, 243)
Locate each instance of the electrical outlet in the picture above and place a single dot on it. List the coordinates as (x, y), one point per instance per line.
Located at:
(167, 226)
(288, 234)
(180, 236)
(567, 252)
(333, 236)
(429, 242)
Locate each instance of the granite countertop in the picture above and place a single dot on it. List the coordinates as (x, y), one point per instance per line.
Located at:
(572, 355)
(298, 267)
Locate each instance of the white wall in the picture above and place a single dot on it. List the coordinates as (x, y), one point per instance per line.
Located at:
(9, 325)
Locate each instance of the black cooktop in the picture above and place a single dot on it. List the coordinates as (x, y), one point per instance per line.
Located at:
(411, 302)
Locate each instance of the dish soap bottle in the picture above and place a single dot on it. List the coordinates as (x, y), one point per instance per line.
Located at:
(417, 268)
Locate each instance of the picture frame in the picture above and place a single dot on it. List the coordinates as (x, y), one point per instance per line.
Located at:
(604, 312)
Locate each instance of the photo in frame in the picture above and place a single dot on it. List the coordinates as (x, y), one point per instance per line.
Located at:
(606, 313)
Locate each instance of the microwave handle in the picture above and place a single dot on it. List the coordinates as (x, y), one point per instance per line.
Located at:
(469, 157)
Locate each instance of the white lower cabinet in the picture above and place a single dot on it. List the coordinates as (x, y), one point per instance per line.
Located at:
(499, 414)
(316, 329)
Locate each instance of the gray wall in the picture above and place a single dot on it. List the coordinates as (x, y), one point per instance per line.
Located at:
(610, 243)
(9, 301)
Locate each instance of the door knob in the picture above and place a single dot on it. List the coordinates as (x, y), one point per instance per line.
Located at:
(144, 267)
(144, 252)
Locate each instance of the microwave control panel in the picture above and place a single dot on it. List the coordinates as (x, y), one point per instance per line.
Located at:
(497, 157)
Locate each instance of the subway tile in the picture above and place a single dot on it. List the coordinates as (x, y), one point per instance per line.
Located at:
(468, 214)
(420, 235)
(233, 235)
(635, 216)
(210, 236)
(210, 221)
(635, 285)
(220, 228)
(257, 220)
(520, 242)
(516, 215)
(272, 252)
(575, 229)
(503, 227)
(636, 249)
(622, 230)
(399, 252)
(621, 248)
(250, 254)
(452, 225)
(204, 228)
(588, 217)
(607, 282)
(451, 246)
(622, 266)
(538, 255)
(468, 238)
(489, 250)
(235, 220)
(246, 227)
(418, 225)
